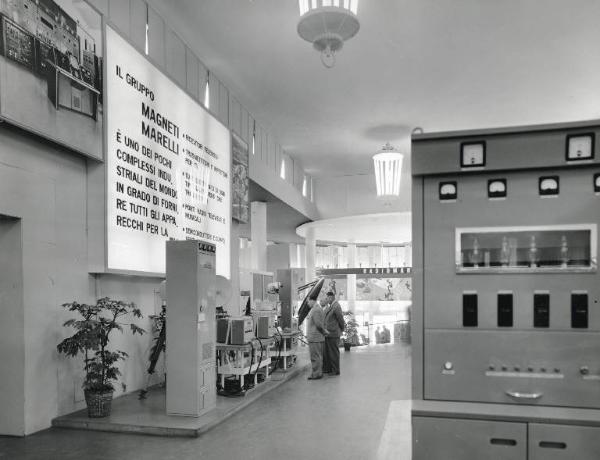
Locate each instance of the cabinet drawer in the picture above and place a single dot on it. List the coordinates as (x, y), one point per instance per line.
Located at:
(456, 439)
(563, 442)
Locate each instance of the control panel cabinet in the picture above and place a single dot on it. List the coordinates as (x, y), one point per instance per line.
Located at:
(191, 328)
(507, 288)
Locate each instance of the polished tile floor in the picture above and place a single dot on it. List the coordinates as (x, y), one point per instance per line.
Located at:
(341, 417)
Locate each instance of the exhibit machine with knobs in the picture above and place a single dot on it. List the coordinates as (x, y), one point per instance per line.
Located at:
(191, 328)
(506, 320)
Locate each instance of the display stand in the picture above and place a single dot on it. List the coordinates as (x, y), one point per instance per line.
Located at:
(243, 360)
(289, 347)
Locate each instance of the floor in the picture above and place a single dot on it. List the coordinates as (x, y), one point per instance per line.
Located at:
(129, 414)
(351, 416)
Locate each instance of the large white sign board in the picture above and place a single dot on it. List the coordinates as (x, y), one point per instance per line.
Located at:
(168, 166)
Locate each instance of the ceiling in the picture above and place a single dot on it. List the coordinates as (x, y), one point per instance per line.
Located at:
(392, 228)
(438, 65)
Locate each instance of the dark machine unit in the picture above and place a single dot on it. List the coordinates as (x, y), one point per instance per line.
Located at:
(241, 330)
(265, 325)
(291, 279)
(506, 338)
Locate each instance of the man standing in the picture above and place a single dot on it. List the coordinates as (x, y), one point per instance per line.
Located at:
(335, 324)
(315, 334)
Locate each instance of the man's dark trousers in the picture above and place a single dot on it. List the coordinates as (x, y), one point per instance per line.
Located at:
(331, 362)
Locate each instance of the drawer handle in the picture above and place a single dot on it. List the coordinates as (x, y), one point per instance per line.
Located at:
(518, 395)
(553, 445)
(503, 442)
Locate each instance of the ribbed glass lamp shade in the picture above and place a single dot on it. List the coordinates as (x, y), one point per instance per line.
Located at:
(327, 24)
(307, 5)
(388, 171)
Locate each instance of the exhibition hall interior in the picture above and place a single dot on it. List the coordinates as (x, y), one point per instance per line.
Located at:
(355, 229)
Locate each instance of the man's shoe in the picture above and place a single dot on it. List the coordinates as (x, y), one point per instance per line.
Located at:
(315, 378)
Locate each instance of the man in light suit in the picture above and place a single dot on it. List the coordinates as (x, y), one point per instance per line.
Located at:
(335, 324)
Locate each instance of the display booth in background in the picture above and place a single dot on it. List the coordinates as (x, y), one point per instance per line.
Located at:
(51, 62)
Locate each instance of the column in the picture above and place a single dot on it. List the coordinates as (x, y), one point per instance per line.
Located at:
(311, 245)
(351, 279)
(258, 234)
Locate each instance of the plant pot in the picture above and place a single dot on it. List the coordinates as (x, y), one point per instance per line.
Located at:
(98, 404)
(347, 346)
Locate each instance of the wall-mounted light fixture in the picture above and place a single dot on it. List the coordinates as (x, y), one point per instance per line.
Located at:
(207, 91)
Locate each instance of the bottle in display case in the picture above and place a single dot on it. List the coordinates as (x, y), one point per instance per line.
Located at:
(564, 251)
(475, 254)
(547, 248)
(533, 252)
(504, 252)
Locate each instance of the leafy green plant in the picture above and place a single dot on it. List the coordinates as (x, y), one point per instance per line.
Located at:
(350, 334)
(91, 338)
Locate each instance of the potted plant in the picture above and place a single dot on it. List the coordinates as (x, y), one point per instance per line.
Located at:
(91, 338)
(350, 335)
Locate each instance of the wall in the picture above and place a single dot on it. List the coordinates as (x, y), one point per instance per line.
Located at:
(45, 186)
(278, 256)
(12, 329)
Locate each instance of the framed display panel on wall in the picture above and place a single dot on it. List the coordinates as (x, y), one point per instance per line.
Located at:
(240, 181)
(51, 66)
(546, 248)
(168, 166)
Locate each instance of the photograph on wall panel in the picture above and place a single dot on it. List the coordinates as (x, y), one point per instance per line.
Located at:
(51, 71)
(240, 182)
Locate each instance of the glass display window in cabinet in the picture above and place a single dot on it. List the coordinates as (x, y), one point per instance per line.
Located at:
(548, 248)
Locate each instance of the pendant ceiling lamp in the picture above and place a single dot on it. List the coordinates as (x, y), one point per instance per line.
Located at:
(388, 169)
(327, 24)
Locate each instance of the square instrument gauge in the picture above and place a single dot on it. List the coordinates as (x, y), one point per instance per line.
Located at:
(580, 147)
(472, 154)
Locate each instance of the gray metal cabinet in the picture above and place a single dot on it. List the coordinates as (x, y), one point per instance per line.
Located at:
(563, 442)
(452, 439)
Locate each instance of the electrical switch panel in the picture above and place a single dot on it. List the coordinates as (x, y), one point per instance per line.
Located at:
(469, 309)
(505, 309)
(579, 309)
(541, 309)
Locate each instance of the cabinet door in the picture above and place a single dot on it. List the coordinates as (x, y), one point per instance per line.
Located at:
(457, 439)
(563, 442)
